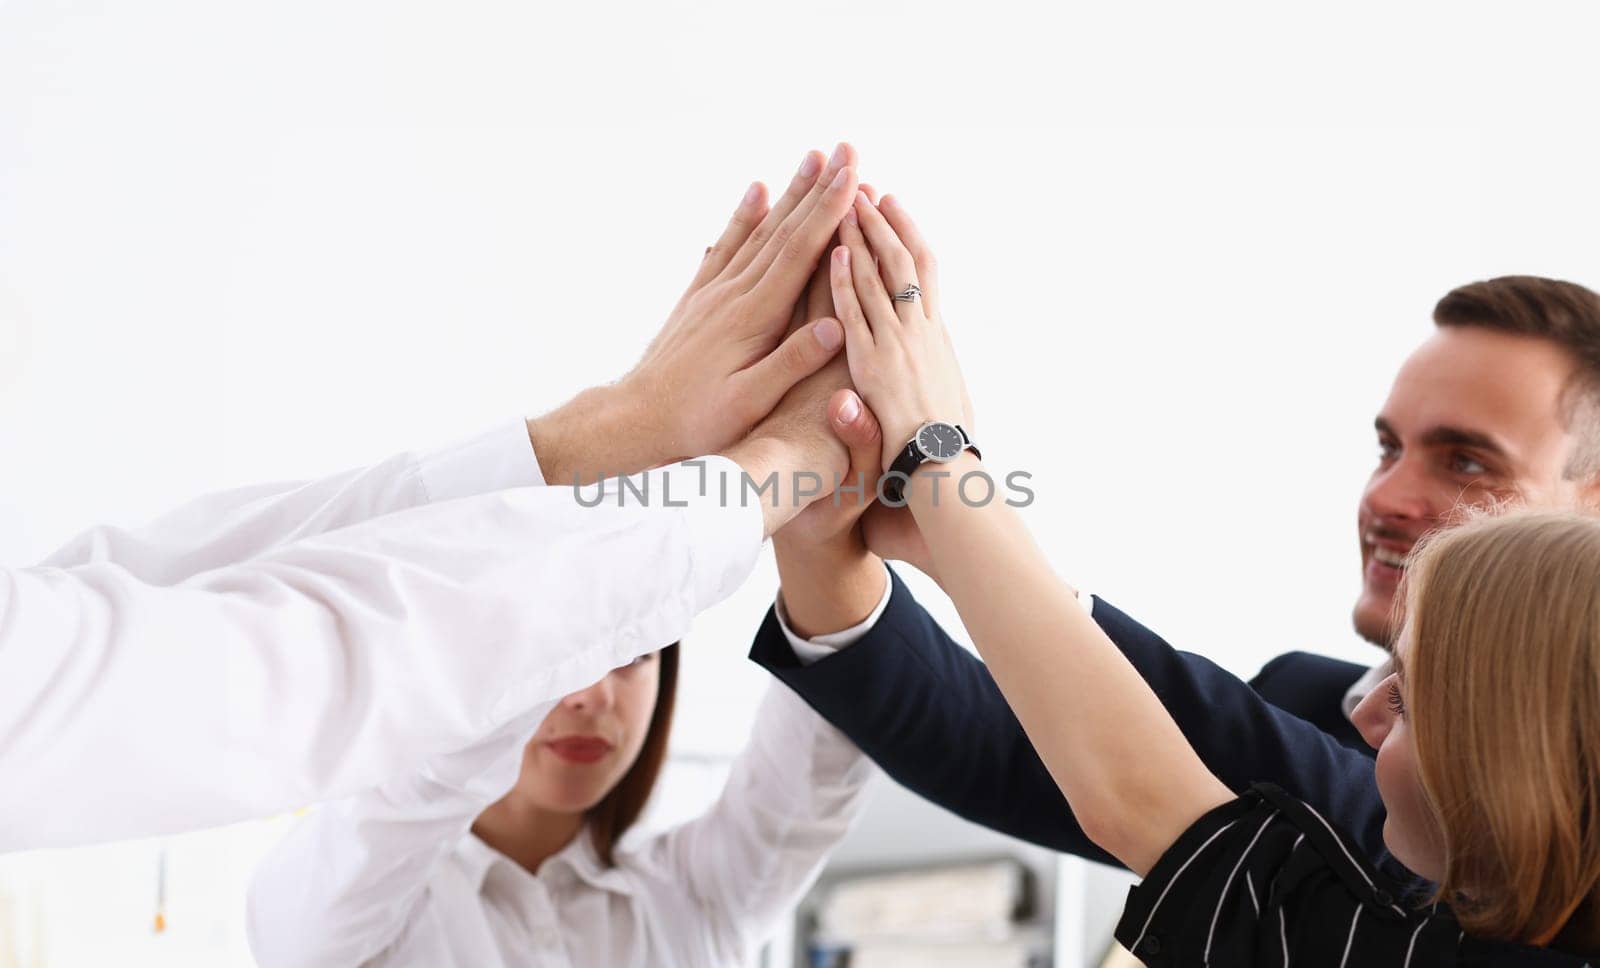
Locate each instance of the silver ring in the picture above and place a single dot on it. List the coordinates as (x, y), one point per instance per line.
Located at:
(908, 294)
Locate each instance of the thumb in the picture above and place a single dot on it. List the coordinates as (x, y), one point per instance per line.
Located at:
(797, 357)
(857, 428)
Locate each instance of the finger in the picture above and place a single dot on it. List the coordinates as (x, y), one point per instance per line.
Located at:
(819, 292)
(895, 264)
(797, 317)
(858, 430)
(857, 332)
(803, 353)
(779, 273)
(870, 192)
(804, 181)
(874, 299)
(752, 208)
(921, 254)
(843, 157)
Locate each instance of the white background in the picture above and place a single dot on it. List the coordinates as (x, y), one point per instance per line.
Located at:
(1184, 248)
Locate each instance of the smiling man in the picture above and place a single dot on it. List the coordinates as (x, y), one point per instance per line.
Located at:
(1501, 403)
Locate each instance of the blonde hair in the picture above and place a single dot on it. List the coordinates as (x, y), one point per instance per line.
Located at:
(1503, 698)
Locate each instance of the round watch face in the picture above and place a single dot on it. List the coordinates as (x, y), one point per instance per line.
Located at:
(940, 441)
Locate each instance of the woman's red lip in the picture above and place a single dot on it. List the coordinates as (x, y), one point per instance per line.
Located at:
(580, 749)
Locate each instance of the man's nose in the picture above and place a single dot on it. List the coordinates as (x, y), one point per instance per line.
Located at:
(1400, 491)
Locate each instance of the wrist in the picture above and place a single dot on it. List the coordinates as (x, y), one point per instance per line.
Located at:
(935, 484)
(602, 432)
(759, 458)
(821, 597)
(810, 553)
(895, 438)
(776, 466)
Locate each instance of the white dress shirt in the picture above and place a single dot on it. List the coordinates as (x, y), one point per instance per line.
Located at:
(395, 878)
(268, 647)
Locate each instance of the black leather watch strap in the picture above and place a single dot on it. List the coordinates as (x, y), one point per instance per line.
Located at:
(910, 458)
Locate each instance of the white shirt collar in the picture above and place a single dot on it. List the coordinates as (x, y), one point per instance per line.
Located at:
(1368, 682)
(576, 861)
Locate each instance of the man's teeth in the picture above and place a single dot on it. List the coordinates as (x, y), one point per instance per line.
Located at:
(1393, 559)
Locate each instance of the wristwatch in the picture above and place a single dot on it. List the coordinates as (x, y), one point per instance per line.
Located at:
(936, 441)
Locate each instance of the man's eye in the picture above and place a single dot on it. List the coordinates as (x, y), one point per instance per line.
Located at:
(1465, 464)
(1387, 451)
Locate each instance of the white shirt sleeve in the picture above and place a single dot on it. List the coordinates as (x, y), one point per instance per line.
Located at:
(133, 706)
(235, 525)
(345, 881)
(792, 796)
(819, 647)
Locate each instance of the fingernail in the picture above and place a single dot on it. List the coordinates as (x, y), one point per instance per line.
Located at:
(841, 178)
(850, 215)
(838, 156)
(842, 254)
(810, 166)
(751, 194)
(861, 197)
(849, 410)
(828, 334)
(888, 200)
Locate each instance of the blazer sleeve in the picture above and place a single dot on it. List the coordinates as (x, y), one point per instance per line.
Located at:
(928, 712)
(1313, 687)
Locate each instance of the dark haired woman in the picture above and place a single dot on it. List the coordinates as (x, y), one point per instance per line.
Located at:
(446, 868)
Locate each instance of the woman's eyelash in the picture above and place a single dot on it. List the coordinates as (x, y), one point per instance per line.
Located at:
(1395, 702)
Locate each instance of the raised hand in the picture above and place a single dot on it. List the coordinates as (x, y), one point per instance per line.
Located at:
(900, 354)
(717, 366)
(721, 362)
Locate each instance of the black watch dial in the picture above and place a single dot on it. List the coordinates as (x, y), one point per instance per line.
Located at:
(940, 441)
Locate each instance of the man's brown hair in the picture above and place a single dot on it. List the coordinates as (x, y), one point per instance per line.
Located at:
(611, 817)
(1565, 313)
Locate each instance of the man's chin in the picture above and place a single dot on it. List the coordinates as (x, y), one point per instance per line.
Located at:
(1371, 617)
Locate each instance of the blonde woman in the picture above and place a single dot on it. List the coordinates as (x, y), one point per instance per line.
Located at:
(1486, 734)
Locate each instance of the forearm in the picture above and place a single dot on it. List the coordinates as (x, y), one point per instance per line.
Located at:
(827, 585)
(329, 664)
(791, 797)
(1100, 730)
(929, 713)
(605, 431)
(224, 528)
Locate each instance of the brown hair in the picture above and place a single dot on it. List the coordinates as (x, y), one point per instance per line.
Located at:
(1564, 313)
(612, 816)
(1503, 697)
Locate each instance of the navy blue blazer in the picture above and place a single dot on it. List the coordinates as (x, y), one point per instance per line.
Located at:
(928, 712)
(1313, 687)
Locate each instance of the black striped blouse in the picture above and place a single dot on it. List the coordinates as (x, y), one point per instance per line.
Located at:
(1266, 882)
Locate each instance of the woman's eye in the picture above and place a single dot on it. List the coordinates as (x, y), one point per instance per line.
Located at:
(1395, 702)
